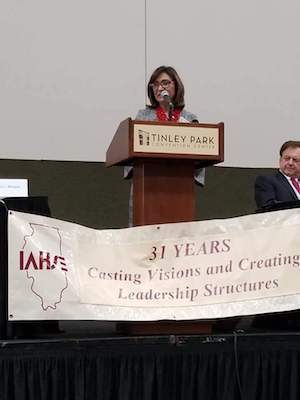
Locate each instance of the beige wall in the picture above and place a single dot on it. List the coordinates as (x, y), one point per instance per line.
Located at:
(71, 70)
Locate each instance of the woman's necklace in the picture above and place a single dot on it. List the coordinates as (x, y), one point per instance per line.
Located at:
(163, 116)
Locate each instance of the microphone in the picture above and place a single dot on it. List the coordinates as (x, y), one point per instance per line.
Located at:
(165, 95)
(167, 99)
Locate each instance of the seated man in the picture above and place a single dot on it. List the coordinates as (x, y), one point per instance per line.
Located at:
(284, 185)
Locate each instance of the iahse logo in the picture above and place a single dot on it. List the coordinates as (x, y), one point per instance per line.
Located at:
(45, 266)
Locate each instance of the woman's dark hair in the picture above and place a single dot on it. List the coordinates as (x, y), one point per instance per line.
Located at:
(289, 144)
(179, 88)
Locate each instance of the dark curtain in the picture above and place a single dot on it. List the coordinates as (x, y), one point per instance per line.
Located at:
(258, 367)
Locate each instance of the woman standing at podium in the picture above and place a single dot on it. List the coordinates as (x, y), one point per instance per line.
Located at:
(166, 94)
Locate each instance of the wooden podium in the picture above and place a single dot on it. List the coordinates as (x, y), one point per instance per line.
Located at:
(164, 156)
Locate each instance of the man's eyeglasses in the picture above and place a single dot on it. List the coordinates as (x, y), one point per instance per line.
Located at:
(295, 160)
(165, 83)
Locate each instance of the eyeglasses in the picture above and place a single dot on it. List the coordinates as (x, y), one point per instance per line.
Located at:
(165, 83)
(287, 159)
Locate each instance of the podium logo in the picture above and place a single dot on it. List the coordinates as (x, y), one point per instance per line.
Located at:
(144, 138)
(44, 265)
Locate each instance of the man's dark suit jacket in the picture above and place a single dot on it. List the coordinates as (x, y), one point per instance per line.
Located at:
(273, 189)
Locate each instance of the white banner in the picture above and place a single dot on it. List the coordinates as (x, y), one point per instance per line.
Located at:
(196, 270)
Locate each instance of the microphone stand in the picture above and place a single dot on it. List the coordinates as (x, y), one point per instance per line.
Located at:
(170, 111)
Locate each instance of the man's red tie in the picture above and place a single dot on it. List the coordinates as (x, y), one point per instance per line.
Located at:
(296, 183)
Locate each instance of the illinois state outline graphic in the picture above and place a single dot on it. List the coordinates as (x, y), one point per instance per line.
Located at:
(45, 267)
